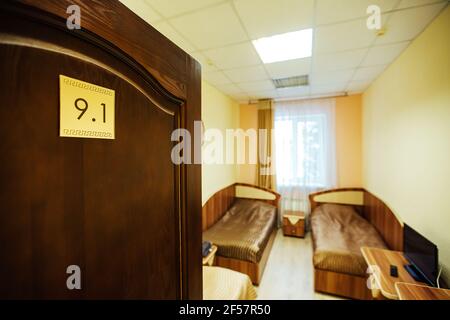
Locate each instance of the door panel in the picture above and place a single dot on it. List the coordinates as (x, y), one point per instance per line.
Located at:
(111, 207)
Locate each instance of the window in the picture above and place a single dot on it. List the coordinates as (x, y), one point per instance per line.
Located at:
(301, 150)
(305, 154)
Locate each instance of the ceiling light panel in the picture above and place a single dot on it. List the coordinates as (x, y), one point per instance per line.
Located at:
(284, 47)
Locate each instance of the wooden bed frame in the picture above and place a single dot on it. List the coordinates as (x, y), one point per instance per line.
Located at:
(214, 209)
(385, 222)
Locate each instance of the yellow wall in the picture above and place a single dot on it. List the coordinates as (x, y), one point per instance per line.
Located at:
(220, 112)
(406, 135)
(348, 141)
(248, 119)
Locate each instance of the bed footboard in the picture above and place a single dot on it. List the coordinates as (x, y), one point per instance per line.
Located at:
(252, 269)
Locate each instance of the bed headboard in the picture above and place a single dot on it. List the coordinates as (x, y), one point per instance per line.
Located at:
(218, 204)
(384, 220)
(349, 196)
(372, 209)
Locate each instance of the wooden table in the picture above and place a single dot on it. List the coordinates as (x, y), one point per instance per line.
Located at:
(209, 259)
(380, 260)
(408, 291)
(297, 229)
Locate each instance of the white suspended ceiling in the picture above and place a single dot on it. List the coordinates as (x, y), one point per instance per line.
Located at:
(347, 56)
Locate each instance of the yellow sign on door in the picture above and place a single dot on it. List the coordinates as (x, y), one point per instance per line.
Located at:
(86, 110)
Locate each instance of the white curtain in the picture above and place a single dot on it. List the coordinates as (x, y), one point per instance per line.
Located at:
(305, 150)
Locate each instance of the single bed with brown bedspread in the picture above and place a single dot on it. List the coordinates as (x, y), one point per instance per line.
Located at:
(342, 221)
(243, 232)
(339, 232)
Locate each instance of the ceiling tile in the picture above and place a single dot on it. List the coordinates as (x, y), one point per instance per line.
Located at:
(290, 68)
(266, 18)
(174, 36)
(343, 36)
(331, 11)
(247, 74)
(213, 27)
(207, 64)
(327, 89)
(338, 60)
(381, 55)
(294, 92)
(257, 86)
(358, 86)
(170, 8)
(143, 10)
(263, 95)
(234, 56)
(413, 3)
(230, 89)
(216, 78)
(368, 73)
(241, 97)
(338, 76)
(407, 24)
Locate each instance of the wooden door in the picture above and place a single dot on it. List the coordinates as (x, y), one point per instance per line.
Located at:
(115, 208)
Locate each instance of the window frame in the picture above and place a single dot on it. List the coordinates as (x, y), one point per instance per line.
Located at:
(295, 180)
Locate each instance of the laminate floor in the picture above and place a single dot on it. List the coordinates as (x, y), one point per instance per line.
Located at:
(289, 273)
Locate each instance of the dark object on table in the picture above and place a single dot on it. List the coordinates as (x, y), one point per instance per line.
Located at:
(206, 248)
(394, 271)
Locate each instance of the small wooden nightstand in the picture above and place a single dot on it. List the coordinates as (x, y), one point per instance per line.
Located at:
(209, 259)
(297, 229)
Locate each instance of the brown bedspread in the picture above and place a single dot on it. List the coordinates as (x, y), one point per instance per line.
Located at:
(339, 232)
(243, 232)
